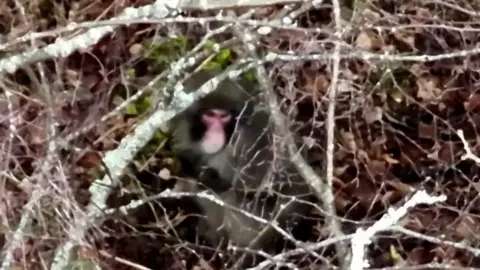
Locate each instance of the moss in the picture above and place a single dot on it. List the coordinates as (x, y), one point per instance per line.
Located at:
(166, 50)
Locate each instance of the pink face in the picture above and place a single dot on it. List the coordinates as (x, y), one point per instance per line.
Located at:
(215, 137)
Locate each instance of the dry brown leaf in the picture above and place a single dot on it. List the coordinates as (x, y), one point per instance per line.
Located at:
(473, 102)
(342, 203)
(165, 174)
(338, 183)
(476, 186)
(449, 152)
(407, 37)
(36, 138)
(348, 140)
(446, 253)
(308, 141)
(442, 106)
(377, 167)
(316, 83)
(89, 160)
(391, 196)
(339, 170)
(372, 114)
(468, 227)
(322, 83)
(370, 16)
(365, 191)
(363, 156)
(419, 69)
(136, 49)
(389, 159)
(389, 48)
(73, 77)
(364, 41)
(419, 255)
(427, 131)
(379, 141)
(427, 88)
(423, 12)
(403, 188)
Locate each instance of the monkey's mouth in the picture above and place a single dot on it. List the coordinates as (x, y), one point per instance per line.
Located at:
(214, 140)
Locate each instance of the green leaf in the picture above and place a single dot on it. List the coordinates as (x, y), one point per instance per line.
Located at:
(131, 109)
(209, 44)
(164, 51)
(394, 255)
(131, 73)
(213, 66)
(144, 104)
(249, 76)
(223, 56)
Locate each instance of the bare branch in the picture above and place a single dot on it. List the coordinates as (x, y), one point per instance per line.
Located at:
(469, 154)
(221, 4)
(118, 159)
(363, 237)
(63, 48)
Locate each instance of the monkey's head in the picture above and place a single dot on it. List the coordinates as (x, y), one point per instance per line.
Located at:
(205, 128)
(211, 127)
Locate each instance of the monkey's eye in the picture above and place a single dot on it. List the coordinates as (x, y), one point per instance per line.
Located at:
(210, 113)
(221, 115)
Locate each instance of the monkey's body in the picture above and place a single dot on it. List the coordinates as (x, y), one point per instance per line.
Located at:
(247, 174)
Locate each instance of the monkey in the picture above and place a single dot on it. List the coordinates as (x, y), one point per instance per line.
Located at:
(201, 133)
(225, 141)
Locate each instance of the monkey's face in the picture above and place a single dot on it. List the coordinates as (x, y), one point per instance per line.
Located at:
(215, 135)
(211, 129)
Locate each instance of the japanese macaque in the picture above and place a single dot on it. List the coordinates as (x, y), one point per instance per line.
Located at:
(225, 141)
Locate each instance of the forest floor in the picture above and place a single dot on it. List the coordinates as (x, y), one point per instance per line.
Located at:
(407, 110)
